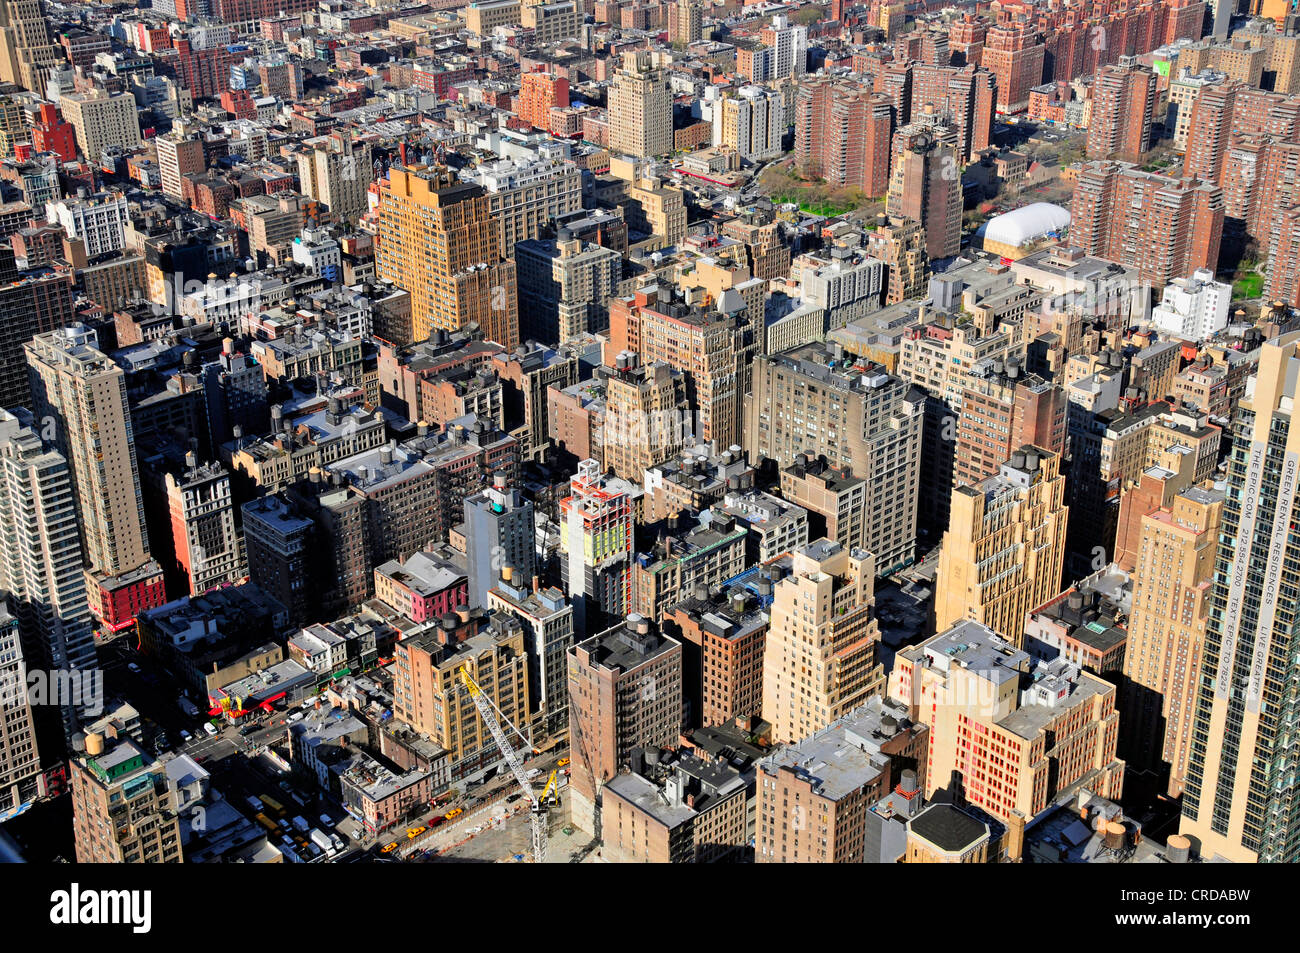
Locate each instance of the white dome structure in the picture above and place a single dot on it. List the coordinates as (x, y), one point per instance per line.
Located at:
(1021, 226)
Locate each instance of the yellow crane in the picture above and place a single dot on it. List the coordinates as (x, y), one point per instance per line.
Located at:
(550, 794)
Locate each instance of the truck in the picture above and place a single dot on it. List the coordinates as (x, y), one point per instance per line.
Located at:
(300, 822)
(319, 839)
(253, 802)
(187, 706)
(337, 842)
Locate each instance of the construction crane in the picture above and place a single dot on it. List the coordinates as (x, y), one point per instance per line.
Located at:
(538, 806)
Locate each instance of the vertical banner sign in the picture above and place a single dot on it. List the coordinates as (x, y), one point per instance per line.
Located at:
(1240, 562)
(1272, 575)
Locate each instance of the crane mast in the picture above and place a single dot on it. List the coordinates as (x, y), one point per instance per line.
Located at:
(537, 808)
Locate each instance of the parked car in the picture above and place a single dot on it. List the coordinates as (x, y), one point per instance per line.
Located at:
(133, 667)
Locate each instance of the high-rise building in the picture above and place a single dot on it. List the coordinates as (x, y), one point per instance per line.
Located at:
(180, 153)
(428, 693)
(900, 244)
(1169, 227)
(81, 394)
(925, 184)
(711, 342)
(41, 564)
(547, 620)
(596, 538)
(26, 53)
(539, 93)
(1173, 579)
(22, 778)
(820, 660)
(645, 416)
(1021, 736)
(861, 419)
(964, 97)
(337, 170)
(789, 45)
(209, 550)
(842, 134)
(640, 107)
(123, 810)
(1014, 54)
(1239, 798)
(28, 306)
(1000, 413)
(499, 532)
(625, 693)
(810, 815)
(723, 638)
(1004, 550)
(439, 241)
(102, 119)
(685, 22)
(564, 287)
(1123, 103)
(752, 122)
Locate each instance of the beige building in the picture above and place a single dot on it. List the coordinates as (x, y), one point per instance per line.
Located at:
(26, 53)
(645, 415)
(483, 17)
(1004, 550)
(641, 107)
(525, 197)
(864, 421)
(752, 122)
(815, 796)
(552, 23)
(180, 153)
(439, 241)
(337, 170)
(1237, 798)
(625, 693)
(1172, 582)
(429, 696)
(820, 660)
(1020, 736)
(694, 813)
(83, 393)
(123, 810)
(101, 119)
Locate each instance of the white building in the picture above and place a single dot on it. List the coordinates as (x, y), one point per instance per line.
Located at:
(752, 122)
(1194, 308)
(98, 220)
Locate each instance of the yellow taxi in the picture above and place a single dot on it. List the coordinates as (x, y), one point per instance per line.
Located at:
(562, 763)
(454, 812)
(414, 832)
(388, 848)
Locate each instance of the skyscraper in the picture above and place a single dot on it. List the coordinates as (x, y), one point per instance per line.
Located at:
(40, 561)
(925, 183)
(625, 693)
(1014, 54)
(596, 537)
(209, 550)
(337, 170)
(1005, 547)
(820, 658)
(80, 394)
(1242, 795)
(1172, 585)
(499, 532)
(640, 108)
(1170, 227)
(1124, 99)
(26, 53)
(123, 810)
(439, 241)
